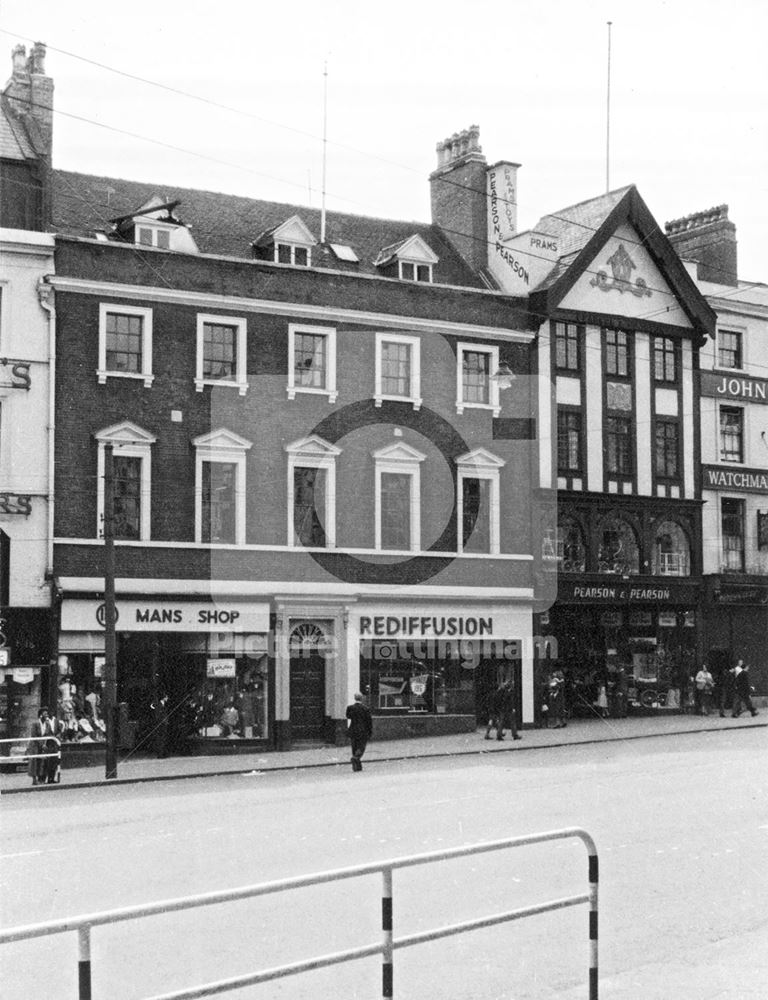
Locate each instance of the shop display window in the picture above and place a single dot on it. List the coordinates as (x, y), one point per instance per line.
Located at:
(671, 551)
(398, 677)
(571, 551)
(230, 699)
(618, 552)
(79, 702)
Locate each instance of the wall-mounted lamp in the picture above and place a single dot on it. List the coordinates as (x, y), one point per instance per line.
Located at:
(503, 376)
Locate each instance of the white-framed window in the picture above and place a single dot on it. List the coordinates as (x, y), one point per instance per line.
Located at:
(312, 361)
(398, 369)
(414, 270)
(153, 236)
(475, 386)
(220, 488)
(293, 253)
(477, 502)
(312, 493)
(398, 498)
(131, 480)
(221, 352)
(730, 349)
(125, 343)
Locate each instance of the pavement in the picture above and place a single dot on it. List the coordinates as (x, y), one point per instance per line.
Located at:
(132, 769)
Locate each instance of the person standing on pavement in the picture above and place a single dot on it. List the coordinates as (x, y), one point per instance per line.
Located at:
(743, 689)
(359, 729)
(727, 689)
(704, 685)
(43, 770)
(556, 701)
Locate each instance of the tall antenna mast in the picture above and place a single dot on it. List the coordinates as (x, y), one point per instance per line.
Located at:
(325, 148)
(608, 119)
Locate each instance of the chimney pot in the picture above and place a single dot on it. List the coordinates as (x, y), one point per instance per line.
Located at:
(37, 58)
(18, 55)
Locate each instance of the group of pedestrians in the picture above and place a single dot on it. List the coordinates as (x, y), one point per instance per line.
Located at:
(734, 692)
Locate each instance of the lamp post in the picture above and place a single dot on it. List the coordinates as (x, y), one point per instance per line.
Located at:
(110, 657)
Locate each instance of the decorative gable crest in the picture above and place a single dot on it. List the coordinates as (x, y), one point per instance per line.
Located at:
(622, 267)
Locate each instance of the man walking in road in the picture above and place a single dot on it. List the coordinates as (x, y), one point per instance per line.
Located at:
(359, 729)
(742, 698)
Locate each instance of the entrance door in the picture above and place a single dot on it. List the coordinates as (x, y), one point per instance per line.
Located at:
(307, 647)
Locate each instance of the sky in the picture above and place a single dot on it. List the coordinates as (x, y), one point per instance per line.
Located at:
(688, 99)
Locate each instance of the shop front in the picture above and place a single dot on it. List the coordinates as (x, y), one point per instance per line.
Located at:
(431, 669)
(626, 646)
(24, 670)
(195, 676)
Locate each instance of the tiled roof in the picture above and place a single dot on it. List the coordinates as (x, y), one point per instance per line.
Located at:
(227, 224)
(15, 144)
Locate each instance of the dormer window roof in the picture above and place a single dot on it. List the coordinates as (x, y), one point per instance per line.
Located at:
(289, 243)
(413, 256)
(155, 224)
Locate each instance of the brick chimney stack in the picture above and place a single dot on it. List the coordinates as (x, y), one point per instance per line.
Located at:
(459, 198)
(30, 92)
(709, 238)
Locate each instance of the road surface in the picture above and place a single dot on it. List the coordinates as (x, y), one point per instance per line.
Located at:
(681, 825)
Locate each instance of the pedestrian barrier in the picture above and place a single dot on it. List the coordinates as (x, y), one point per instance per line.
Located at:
(385, 947)
(24, 757)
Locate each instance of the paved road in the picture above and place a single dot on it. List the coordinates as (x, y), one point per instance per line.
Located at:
(681, 824)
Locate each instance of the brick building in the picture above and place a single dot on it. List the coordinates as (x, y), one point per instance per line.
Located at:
(320, 482)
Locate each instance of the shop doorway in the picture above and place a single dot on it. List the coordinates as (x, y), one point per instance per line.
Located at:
(308, 647)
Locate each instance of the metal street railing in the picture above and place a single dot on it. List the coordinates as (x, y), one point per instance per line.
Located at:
(26, 756)
(386, 947)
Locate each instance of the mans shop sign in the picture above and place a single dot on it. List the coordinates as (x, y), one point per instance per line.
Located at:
(168, 616)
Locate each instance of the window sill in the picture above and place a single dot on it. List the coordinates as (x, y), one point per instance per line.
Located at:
(200, 384)
(494, 408)
(146, 377)
(414, 401)
(294, 390)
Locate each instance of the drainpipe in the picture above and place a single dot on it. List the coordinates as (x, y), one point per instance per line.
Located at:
(45, 294)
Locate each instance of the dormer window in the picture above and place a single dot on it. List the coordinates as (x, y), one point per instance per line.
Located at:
(155, 225)
(152, 236)
(289, 253)
(411, 271)
(289, 243)
(409, 260)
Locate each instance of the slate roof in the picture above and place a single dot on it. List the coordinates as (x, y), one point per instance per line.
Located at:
(575, 225)
(226, 224)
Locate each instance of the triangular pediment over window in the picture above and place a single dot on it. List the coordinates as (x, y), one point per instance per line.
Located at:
(124, 433)
(313, 447)
(293, 231)
(399, 452)
(479, 458)
(414, 249)
(222, 440)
